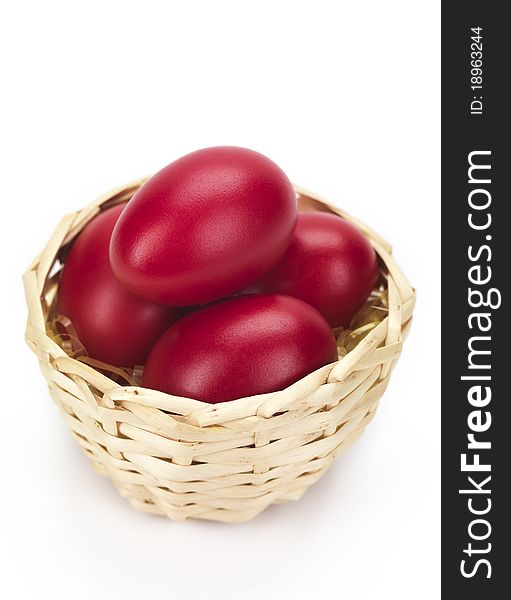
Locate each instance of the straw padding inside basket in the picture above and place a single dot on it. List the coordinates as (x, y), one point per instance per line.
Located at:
(227, 462)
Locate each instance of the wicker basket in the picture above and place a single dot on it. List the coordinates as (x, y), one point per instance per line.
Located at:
(227, 462)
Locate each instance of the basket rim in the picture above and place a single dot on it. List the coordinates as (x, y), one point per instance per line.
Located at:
(264, 405)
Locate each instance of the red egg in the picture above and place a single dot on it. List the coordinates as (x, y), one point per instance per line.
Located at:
(205, 226)
(330, 264)
(240, 347)
(114, 326)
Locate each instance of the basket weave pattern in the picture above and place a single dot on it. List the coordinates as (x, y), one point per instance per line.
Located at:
(227, 462)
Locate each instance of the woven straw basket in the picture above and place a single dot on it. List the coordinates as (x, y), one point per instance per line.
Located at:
(227, 462)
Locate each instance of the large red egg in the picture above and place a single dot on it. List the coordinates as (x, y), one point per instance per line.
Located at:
(330, 264)
(114, 326)
(240, 347)
(205, 226)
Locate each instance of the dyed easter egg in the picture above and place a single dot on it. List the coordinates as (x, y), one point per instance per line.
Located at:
(113, 325)
(240, 347)
(205, 226)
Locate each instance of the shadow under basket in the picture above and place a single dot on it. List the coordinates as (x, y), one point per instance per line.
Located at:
(226, 462)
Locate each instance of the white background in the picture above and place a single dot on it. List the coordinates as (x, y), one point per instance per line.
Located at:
(344, 96)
